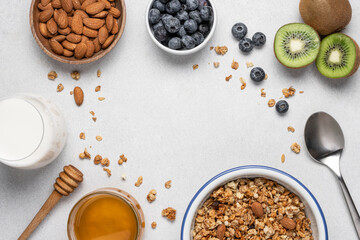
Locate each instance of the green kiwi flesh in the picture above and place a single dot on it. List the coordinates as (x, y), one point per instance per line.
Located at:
(296, 45)
(337, 57)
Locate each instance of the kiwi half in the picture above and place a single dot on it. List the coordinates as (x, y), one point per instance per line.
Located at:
(296, 45)
(339, 56)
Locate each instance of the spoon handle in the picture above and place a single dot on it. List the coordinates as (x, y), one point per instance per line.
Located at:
(352, 208)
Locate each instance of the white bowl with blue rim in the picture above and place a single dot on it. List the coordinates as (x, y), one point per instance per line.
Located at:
(312, 207)
(187, 51)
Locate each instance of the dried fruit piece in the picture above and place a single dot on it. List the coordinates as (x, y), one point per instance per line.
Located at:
(151, 196)
(169, 213)
(78, 96)
(52, 75)
(257, 209)
(139, 181)
(288, 223)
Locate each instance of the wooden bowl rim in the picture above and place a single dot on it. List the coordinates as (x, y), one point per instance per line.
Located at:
(84, 60)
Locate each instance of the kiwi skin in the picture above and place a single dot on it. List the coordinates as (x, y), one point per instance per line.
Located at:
(326, 16)
(284, 64)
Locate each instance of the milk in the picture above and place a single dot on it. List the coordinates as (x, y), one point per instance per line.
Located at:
(32, 131)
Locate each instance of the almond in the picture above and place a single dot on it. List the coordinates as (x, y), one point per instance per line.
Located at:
(115, 28)
(68, 53)
(108, 41)
(93, 23)
(257, 209)
(115, 12)
(90, 48)
(51, 26)
(220, 231)
(43, 30)
(87, 3)
(97, 45)
(44, 16)
(107, 4)
(64, 31)
(56, 3)
(68, 45)
(84, 39)
(113, 4)
(82, 13)
(42, 8)
(90, 32)
(56, 47)
(67, 5)
(44, 2)
(62, 19)
(95, 8)
(56, 15)
(109, 22)
(59, 38)
(288, 223)
(78, 96)
(74, 38)
(77, 24)
(101, 14)
(76, 4)
(103, 34)
(80, 50)
(69, 21)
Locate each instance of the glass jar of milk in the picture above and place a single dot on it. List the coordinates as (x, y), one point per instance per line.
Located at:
(32, 131)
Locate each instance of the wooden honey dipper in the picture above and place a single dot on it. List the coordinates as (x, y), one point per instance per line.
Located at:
(65, 184)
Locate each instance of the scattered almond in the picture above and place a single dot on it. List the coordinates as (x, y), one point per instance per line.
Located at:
(151, 196)
(139, 181)
(234, 65)
(78, 96)
(220, 231)
(52, 75)
(168, 184)
(295, 148)
(288, 223)
(82, 136)
(271, 102)
(257, 209)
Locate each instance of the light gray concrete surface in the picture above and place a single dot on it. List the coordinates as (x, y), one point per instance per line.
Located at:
(173, 122)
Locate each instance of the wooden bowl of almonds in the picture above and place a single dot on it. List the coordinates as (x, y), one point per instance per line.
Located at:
(77, 31)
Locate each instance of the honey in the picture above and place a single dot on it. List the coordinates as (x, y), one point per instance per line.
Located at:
(105, 217)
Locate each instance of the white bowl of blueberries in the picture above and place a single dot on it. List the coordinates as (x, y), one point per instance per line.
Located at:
(181, 27)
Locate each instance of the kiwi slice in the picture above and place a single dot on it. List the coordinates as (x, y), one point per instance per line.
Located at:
(296, 45)
(338, 57)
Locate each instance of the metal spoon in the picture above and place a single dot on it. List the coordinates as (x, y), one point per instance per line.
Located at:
(325, 142)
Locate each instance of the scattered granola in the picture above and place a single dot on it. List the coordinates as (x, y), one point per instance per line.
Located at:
(243, 83)
(263, 94)
(221, 50)
(97, 159)
(60, 87)
(85, 154)
(266, 76)
(234, 65)
(105, 162)
(92, 113)
(82, 136)
(216, 64)
(108, 171)
(122, 159)
(211, 48)
(99, 138)
(301, 92)
(195, 66)
(101, 98)
(251, 209)
(71, 92)
(271, 102)
(139, 181)
(75, 75)
(151, 196)
(168, 184)
(52, 75)
(283, 158)
(291, 129)
(169, 213)
(295, 147)
(228, 77)
(98, 73)
(98, 88)
(288, 92)
(94, 119)
(123, 177)
(153, 225)
(249, 64)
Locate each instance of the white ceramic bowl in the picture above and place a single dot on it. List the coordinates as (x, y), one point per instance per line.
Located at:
(181, 52)
(312, 207)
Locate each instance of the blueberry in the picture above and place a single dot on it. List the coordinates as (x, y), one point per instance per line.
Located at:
(198, 37)
(181, 32)
(173, 6)
(190, 26)
(257, 74)
(206, 13)
(164, 1)
(165, 17)
(184, 7)
(158, 25)
(239, 31)
(159, 5)
(195, 15)
(175, 43)
(246, 45)
(192, 4)
(188, 42)
(183, 1)
(160, 34)
(259, 39)
(154, 16)
(182, 15)
(282, 106)
(172, 25)
(204, 29)
(203, 3)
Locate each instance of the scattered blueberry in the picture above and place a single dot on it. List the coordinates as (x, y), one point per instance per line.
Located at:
(282, 106)
(190, 26)
(159, 5)
(175, 43)
(195, 15)
(257, 74)
(173, 6)
(192, 4)
(206, 13)
(239, 31)
(259, 39)
(204, 29)
(154, 16)
(172, 25)
(181, 32)
(246, 45)
(188, 42)
(160, 34)
(158, 25)
(198, 37)
(182, 15)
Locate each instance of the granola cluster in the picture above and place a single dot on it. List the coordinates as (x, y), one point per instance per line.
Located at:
(229, 213)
